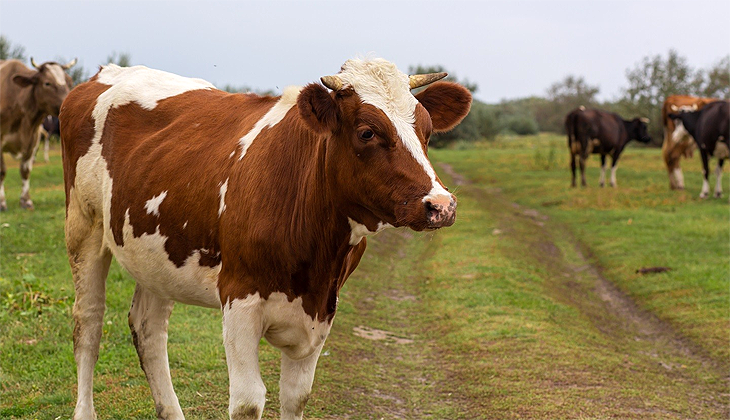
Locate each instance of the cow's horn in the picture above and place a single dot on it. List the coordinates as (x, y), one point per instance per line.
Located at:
(644, 120)
(32, 61)
(69, 64)
(418, 80)
(332, 82)
(674, 108)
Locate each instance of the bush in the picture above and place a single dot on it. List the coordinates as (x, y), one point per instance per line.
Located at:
(520, 124)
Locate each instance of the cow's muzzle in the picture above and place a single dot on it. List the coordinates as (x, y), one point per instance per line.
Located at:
(440, 211)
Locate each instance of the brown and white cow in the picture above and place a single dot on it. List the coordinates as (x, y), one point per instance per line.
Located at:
(258, 206)
(681, 145)
(26, 97)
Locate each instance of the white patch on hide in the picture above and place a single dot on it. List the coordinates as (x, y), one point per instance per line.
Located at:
(359, 231)
(222, 193)
(153, 205)
(271, 118)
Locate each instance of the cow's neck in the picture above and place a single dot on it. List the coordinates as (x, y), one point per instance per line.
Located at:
(32, 115)
(300, 245)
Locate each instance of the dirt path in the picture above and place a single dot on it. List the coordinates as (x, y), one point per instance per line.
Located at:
(387, 363)
(625, 315)
(580, 283)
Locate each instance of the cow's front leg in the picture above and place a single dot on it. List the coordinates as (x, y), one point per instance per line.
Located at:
(242, 331)
(296, 383)
(582, 162)
(25, 168)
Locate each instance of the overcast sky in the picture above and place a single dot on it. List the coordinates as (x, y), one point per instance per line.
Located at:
(510, 49)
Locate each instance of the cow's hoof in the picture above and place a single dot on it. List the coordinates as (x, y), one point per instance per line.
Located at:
(26, 204)
(704, 195)
(601, 185)
(718, 194)
(3, 207)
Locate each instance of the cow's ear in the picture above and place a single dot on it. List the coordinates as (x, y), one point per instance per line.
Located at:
(23, 81)
(447, 102)
(317, 108)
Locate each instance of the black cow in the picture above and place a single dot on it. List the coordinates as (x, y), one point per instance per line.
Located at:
(710, 129)
(49, 128)
(595, 131)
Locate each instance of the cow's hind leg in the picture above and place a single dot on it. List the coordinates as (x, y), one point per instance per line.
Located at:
(148, 320)
(582, 162)
(718, 181)
(296, 384)
(89, 261)
(25, 167)
(572, 169)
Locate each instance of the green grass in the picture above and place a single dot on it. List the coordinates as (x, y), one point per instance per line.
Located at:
(639, 224)
(505, 323)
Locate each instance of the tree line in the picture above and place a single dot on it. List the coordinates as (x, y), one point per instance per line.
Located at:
(648, 83)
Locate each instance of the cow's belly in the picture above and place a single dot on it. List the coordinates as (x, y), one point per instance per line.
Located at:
(147, 261)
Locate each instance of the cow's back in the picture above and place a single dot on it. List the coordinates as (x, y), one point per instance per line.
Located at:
(147, 155)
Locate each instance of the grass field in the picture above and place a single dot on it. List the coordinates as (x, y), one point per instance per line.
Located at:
(528, 307)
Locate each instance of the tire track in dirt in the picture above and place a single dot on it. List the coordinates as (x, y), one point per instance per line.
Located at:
(612, 311)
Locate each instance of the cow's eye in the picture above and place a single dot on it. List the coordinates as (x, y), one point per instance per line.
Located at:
(366, 135)
(47, 84)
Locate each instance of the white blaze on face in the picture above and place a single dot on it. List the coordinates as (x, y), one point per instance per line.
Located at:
(273, 116)
(153, 204)
(58, 74)
(380, 84)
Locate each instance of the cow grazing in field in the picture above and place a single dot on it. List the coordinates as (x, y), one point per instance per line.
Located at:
(710, 130)
(676, 147)
(49, 128)
(595, 131)
(26, 96)
(258, 206)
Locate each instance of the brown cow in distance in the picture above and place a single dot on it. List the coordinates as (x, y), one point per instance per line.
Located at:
(258, 206)
(26, 97)
(600, 132)
(676, 147)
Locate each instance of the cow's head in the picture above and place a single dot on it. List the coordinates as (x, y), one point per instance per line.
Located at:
(50, 85)
(640, 130)
(685, 124)
(378, 134)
